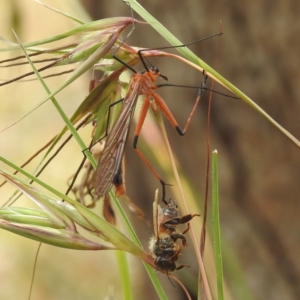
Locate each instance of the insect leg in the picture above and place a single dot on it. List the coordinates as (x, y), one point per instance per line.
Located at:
(140, 123)
(160, 102)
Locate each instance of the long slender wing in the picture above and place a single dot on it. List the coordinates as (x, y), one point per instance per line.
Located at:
(111, 157)
(156, 207)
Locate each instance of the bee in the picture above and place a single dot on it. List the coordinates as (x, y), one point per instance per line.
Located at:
(167, 243)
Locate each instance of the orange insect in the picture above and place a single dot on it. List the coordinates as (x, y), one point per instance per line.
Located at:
(109, 171)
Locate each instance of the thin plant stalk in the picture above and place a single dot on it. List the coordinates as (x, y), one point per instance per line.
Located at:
(216, 225)
(186, 210)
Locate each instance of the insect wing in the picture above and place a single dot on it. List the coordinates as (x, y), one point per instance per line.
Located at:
(111, 157)
(155, 216)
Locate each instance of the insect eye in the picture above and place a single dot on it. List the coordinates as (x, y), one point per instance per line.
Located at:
(154, 69)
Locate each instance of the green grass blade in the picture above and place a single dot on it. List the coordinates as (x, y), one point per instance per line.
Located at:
(80, 214)
(124, 275)
(216, 225)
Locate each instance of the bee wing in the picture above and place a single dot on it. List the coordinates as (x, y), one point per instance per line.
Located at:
(155, 215)
(111, 157)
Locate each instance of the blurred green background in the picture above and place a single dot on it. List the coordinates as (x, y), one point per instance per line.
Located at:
(259, 167)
